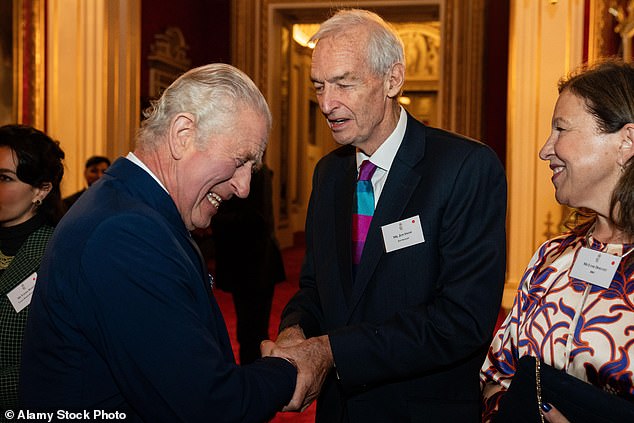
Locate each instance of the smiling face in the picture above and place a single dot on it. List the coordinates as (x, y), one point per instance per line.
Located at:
(585, 162)
(222, 169)
(359, 105)
(16, 197)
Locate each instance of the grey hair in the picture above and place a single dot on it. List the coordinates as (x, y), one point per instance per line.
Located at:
(384, 48)
(213, 93)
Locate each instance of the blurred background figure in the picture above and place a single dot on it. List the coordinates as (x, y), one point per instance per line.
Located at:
(244, 227)
(95, 167)
(31, 169)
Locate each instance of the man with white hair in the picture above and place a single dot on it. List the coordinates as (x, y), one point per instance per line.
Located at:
(123, 318)
(405, 246)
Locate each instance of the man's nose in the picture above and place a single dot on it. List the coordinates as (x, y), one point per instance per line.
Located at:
(327, 100)
(241, 181)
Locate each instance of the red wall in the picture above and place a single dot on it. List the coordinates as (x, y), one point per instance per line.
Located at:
(496, 55)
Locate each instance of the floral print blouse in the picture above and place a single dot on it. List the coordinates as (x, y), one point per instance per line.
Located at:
(568, 323)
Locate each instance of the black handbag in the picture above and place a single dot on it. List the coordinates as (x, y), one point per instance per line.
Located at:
(535, 383)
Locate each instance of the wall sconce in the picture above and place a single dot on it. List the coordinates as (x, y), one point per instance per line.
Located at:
(303, 32)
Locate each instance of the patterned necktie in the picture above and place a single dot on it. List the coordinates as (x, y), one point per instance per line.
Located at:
(363, 210)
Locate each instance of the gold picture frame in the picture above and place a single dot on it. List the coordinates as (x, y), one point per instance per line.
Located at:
(23, 67)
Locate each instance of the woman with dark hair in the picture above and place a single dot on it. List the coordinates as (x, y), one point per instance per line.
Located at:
(571, 328)
(31, 170)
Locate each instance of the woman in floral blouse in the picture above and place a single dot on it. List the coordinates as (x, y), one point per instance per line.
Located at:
(574, 309)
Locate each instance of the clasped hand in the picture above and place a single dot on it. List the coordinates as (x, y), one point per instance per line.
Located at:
(312, 357)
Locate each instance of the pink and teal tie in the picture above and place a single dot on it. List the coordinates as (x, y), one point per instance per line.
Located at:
(363, 210)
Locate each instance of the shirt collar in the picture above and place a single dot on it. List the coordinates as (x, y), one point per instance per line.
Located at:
(385, 154)
(134, 159)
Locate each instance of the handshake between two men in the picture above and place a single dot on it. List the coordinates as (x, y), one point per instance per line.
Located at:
(312, 357)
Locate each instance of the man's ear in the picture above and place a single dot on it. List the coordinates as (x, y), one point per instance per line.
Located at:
(182, 132)
(395, 80)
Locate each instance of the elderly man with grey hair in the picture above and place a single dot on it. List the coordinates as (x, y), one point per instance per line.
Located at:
(405, 246)
(123, 318)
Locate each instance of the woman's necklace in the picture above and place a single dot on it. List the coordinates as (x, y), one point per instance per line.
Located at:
(5, 260)
(619, 239)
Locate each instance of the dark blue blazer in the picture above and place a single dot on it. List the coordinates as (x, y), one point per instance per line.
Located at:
(409, 334)
(123, 318)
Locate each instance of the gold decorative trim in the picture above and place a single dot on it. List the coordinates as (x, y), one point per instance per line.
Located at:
(624, 15)
(596, 31)
(167, 59)
(28, 59)
(604, 29)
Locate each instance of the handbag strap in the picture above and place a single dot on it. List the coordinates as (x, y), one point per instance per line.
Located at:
(538, 388)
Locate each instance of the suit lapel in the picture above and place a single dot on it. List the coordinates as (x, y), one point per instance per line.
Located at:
(144, 187)
(343, 223)
(397, 191)
(221, 333)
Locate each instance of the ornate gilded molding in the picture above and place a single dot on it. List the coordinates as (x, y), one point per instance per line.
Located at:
(462, 71)
(625, 25)
(29, 62)
(167, 59)
(602, 40)
(422, 50)
(246, 54)
(447, 87)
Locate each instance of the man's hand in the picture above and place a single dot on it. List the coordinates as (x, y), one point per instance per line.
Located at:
(291, 336)
(313, 358)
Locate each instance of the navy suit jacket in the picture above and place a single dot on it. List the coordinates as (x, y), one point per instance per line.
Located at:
(409, 334)
(123, 318)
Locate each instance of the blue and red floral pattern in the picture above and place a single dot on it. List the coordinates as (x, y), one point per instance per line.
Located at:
(551, 307)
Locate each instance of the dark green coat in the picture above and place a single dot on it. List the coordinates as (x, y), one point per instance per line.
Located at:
(25, 262)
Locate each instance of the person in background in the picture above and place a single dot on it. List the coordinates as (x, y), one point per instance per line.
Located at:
(244, 227)
(31, 169)
(405, 311)
(124, 318)
(577, 324)
(94, 169)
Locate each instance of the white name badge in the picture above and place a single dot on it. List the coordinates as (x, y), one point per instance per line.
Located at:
(404, 233)
(20, 296)
(595, 267)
